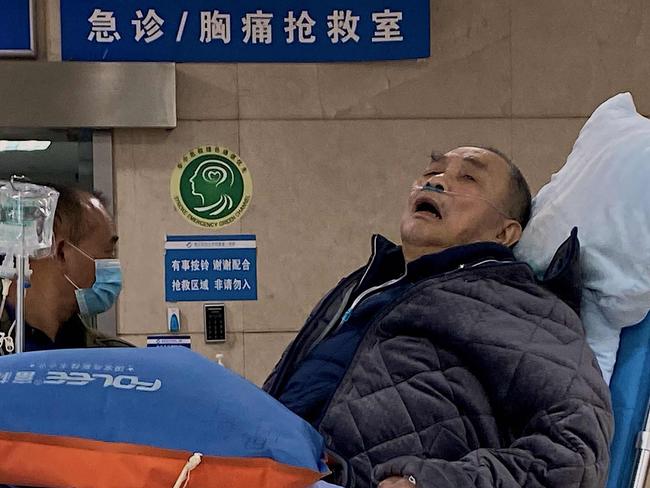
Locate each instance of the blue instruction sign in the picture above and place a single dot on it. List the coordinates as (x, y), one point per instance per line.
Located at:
(245, 30)
(210, 268)
(16, 28)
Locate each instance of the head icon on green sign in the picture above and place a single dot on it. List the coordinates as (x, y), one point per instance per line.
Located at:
(211, 187)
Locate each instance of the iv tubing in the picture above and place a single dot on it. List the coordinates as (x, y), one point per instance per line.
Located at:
(6, 283)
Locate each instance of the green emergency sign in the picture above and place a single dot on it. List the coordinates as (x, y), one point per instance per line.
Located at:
(211, 187)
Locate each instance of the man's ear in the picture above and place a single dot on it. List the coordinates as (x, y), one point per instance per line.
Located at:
(59, 251)
(510, 233)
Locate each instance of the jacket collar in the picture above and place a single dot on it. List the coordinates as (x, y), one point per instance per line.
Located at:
(458, 257)
(387, 261)
(561, 278)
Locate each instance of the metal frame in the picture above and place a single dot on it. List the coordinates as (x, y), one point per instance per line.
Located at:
(24, 53)
(642, 463)
(103, 182)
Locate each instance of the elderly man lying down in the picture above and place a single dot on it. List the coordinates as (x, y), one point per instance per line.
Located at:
(444, 363)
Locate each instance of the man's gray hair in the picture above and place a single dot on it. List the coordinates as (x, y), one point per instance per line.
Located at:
(519, 199)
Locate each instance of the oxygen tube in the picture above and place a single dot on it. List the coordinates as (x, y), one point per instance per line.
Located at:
(439, 189)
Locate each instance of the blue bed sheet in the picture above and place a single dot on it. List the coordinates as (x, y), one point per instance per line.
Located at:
(630, 387)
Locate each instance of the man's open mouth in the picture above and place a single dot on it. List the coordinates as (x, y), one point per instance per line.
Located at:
(429, 207)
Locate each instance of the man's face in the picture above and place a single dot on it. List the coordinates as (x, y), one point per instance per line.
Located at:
(437, 221)
(98, 242)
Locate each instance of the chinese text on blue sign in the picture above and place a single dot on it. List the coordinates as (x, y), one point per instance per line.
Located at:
(246, 30)
(16, 28)
(210, 268)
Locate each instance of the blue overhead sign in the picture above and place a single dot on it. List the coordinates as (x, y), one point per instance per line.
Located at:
(244, 30)
(210, 268)
(16, 28)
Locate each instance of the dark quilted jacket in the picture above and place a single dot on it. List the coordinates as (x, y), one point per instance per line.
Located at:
(475, 378)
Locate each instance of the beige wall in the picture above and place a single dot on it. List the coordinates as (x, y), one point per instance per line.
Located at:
(333, 147)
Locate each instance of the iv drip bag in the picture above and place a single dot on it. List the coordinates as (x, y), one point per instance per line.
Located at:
(26, 218)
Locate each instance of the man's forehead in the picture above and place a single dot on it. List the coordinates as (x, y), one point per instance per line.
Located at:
(470, 152)
(482, 157)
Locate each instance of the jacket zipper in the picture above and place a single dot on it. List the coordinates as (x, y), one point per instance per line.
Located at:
(348, 313)
(344, 303)
(332, 323)
(291, 354)
(372, 260)
(358, 300)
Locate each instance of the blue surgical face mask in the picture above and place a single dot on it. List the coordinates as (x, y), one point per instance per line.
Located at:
(107, 286)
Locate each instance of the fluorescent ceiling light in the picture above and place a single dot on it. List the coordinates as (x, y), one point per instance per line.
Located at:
(24, 145)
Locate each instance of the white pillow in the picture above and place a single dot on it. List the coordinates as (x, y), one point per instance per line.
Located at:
(604, 190)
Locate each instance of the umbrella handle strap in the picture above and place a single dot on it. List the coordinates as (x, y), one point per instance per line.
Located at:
(184, 477)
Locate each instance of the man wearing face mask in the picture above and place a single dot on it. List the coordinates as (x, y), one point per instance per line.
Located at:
(79, 280)
(444, 362)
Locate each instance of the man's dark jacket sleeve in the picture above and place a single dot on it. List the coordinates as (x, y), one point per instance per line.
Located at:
(565, 446)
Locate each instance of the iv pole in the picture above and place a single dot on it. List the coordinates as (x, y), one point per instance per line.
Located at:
(20, 282)
(20, 304)
(25, 205)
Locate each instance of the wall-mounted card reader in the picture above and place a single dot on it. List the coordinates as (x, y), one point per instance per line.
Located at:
(214, 319)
